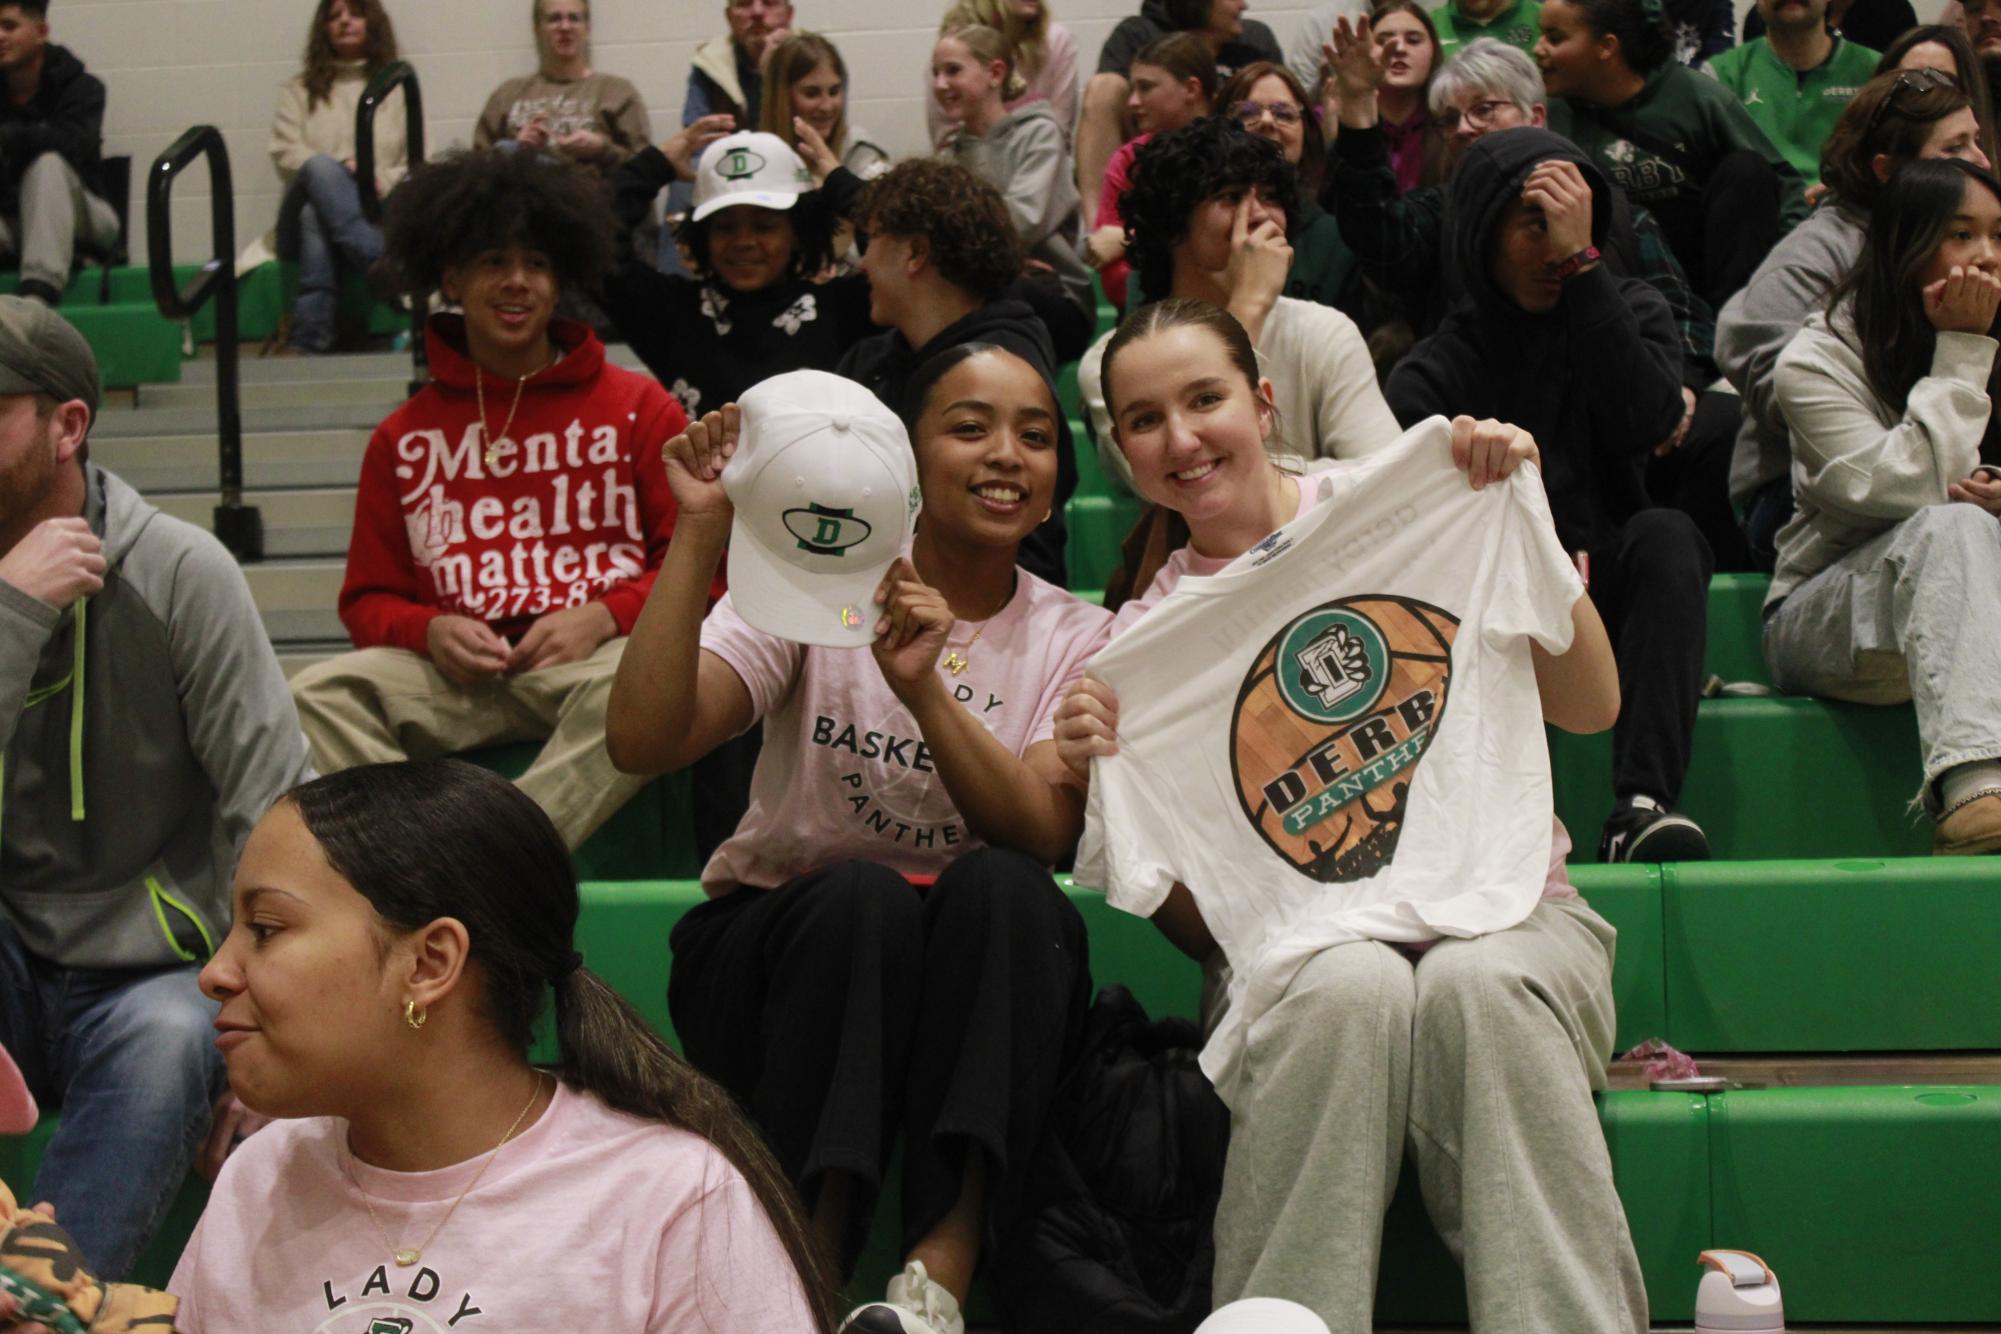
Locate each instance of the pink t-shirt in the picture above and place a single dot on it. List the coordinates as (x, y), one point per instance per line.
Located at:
(1188, 561)
(589, 1219)
(844, 774)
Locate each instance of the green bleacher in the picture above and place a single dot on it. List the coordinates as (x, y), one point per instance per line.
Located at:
(1822, 957)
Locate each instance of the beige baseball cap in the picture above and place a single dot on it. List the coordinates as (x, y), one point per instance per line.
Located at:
(42, 353)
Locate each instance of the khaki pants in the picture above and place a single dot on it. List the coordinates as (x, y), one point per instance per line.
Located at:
(1480, 1060)
(384, 704)
(55, 211)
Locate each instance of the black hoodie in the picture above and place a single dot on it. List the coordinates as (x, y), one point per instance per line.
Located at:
(66, 116)
(886, 362)
(1597, 380)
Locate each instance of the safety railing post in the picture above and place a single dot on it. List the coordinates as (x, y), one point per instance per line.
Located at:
(397, 74)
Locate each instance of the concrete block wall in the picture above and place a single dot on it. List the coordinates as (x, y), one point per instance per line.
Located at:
(169, 64)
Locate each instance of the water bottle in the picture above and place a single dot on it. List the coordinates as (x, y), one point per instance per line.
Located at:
(1739, 1295)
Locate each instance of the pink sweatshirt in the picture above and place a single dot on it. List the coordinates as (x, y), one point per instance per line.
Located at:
(589, 1219)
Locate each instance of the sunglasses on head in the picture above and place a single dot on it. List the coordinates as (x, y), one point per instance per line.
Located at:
(1925, 80)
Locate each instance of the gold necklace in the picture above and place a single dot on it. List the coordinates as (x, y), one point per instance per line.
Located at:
(479, 392)
(409, 1255)
(955, 662)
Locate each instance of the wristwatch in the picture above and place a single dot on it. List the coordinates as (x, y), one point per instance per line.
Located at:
(1569, 267)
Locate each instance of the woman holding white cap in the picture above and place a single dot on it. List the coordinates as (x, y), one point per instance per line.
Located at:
(884, 947)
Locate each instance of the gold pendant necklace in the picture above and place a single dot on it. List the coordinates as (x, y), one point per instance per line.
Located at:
(409, 1255)
(493, 443)
(956, 662)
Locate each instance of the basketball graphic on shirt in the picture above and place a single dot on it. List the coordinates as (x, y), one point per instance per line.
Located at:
(1333, 717)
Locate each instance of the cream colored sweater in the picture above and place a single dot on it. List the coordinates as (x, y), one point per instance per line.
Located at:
(300, 132)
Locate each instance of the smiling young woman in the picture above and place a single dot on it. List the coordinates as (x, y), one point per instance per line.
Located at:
(884, 935)
(432, 907)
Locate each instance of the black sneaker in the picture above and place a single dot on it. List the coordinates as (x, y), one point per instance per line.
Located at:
(1643, 830)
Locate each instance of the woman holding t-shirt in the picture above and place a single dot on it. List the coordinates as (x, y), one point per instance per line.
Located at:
(431, 907)
(1481, 1054)
(834, 995)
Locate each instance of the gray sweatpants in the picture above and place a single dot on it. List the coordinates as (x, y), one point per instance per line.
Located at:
(1481, 1059)
(1914, 614)
(55, 211)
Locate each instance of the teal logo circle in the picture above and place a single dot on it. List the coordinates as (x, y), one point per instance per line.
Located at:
(1332, 665)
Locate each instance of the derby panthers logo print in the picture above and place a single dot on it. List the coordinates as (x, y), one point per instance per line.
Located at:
(1330, 724)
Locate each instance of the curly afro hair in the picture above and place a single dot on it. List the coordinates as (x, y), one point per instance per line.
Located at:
(1173, 173)
(973, 243)
(456, 208)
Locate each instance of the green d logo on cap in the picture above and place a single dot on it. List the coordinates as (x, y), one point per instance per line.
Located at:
(740, 164)
(826, 531)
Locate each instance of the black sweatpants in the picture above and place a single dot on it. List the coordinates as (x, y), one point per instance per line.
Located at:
(848, 1005)
(1695, 478)
(1651, 588)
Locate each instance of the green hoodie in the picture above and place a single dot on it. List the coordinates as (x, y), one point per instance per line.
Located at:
(1519, 25)
(1661, 146)
(1797, 110)
(144, 732)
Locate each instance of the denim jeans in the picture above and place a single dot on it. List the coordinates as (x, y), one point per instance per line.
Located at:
(1914, 614)
(332, 231)
(128, 1055)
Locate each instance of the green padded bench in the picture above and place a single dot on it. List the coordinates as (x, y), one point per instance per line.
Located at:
(650, 837)
(265, 295)
(134, 343)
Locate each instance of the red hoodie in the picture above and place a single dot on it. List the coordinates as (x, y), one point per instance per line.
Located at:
(578, 510)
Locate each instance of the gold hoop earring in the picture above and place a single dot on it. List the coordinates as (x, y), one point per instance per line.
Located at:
(413, 1016)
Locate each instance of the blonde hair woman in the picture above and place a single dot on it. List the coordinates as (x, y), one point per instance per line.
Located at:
(1045, 56)
(807, 80)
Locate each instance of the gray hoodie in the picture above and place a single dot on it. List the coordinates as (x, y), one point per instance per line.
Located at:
(145, 731)
(1024, 157)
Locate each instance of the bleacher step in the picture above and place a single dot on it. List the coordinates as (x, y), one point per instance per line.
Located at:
(158, 464)
(118, 422)
(298, 598)
(313, 522)
(1831, 1071)
(381, 394)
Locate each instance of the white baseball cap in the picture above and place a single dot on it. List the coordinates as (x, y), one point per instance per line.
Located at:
(749, 167)
(1263, 1315)
(825, 488)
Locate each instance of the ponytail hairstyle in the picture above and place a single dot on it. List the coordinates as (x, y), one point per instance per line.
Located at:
(1158, 317)
(422, 840)
(1646, 40)
(796, 58)
(1029, 38)
(1894, 336)
(1892, 114)
(321, 63)
(989, 45)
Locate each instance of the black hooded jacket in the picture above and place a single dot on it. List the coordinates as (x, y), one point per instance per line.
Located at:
(1597, 380)
(886, 362)
(65, 116)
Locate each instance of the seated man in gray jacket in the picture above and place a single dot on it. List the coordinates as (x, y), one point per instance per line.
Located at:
(144, 727)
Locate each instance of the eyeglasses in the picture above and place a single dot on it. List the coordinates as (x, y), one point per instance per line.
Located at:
(1479, 116)
(1926, 80)
(1250, 113)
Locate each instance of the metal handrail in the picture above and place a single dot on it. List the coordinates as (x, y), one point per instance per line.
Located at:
(396, 74)
(239, 526)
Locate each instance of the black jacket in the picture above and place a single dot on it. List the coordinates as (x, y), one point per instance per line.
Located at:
(66, 116)
(706, 343)
(1597, 380)
(886, 362)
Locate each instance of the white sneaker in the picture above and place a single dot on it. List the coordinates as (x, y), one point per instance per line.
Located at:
(915, 1305)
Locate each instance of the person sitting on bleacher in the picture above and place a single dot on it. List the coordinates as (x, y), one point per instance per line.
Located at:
(397, 930)
(1590, 364)
(840, 1003)
(1207, 219)
(51, 133)
(944, 267)
(566, 106)
(144, 727)
(1478, 1055)
(511, 516)
(1897, 118)
(1889, 575)
(321, 222)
